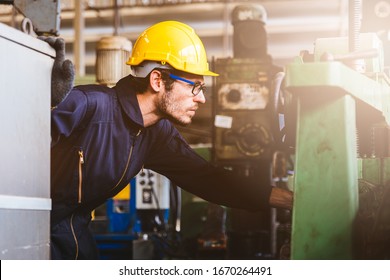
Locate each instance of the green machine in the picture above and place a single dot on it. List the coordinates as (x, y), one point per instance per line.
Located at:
(342, 144)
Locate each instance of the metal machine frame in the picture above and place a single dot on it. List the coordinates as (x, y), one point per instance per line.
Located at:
(326, 198)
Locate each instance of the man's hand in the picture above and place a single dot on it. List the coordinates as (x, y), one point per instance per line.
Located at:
(62, 76)
(281, 198)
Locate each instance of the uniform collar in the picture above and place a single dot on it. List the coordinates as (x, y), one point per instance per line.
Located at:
(128, 100)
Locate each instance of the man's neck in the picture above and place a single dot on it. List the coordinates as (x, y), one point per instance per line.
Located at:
(148, 108)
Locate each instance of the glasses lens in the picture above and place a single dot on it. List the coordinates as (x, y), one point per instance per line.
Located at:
(197, 88)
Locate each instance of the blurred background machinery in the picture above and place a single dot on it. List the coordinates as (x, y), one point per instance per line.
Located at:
(111, 51)
(135, 223)
(246, 127)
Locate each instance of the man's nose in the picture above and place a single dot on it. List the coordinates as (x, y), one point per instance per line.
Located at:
(200, 97)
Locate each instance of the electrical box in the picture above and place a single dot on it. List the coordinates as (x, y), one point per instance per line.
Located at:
(152, 190)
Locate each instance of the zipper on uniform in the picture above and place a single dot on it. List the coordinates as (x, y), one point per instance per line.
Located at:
(128, 161)
(81, 162)
(74, 237)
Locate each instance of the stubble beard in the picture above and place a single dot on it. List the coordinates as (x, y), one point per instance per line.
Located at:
(168, 107)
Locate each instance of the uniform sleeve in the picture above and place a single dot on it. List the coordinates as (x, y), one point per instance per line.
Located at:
(175, 159)
(68, 115)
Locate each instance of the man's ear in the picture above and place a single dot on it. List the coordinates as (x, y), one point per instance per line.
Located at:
(155, 81)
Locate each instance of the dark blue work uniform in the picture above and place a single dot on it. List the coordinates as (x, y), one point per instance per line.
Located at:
(99, 143)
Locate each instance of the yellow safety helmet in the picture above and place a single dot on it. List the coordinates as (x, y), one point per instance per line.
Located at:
(173, 43)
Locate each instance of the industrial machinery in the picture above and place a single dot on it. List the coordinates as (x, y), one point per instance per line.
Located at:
(134, 223)
(111, 53)
(246, 127)
(246, 134)
(244, 117)
(152, 200)
(42, 17)
(341, 186)
(25, 145)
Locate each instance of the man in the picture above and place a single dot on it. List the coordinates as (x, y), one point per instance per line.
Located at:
(102, 137)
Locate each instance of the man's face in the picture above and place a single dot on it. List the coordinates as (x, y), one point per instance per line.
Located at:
(179, 104)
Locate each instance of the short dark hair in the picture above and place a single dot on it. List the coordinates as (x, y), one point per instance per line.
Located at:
(168, 81)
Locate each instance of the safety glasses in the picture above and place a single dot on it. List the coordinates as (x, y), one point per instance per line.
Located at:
(197, 87)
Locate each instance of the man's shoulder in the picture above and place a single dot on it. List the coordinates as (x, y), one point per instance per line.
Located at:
(95, 89)
(98, 98)
(96, 93)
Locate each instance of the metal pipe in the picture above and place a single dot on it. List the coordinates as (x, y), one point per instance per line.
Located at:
(116, 18)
